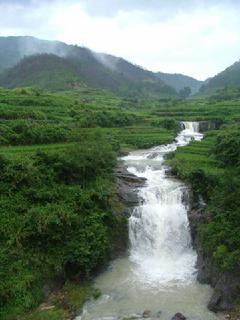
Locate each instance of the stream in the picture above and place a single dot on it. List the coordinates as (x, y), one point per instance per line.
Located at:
(159, 272)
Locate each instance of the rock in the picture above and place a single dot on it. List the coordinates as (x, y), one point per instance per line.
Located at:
(127, 185)
(122, 173)
(146, 314)
(179, 316)
(159, 314)
(226, 289)
(153, 155)
(127, 194)
(169, 172)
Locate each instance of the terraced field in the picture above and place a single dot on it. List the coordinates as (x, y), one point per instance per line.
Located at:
(196, 156)
(201, 110)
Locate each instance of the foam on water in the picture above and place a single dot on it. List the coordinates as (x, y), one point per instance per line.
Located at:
(160, 271)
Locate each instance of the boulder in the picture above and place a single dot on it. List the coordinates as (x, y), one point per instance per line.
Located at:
(153, 155)
(179, 316)
(127, 185)
(146, 314)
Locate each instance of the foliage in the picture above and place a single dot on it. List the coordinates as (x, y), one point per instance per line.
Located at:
(225, 79)
(185, 92)
(56, 162)
(217, 178)
(227, 146)
(168, 123)
(222, 235)
(55, 219)
(58, 66)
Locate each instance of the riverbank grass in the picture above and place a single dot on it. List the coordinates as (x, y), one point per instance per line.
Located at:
(65, 303)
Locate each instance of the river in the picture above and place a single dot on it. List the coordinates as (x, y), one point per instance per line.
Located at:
(159, 272)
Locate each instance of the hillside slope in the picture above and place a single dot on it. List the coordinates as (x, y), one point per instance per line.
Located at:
(45, 71)
(179, 81)
(228, 77)
(96, 70)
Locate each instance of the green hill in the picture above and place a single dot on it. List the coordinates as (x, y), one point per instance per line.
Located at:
(230, 77)
(45, 71)
(179, 81)
(80, 64)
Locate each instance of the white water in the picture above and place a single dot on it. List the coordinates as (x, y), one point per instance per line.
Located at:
(159, 273)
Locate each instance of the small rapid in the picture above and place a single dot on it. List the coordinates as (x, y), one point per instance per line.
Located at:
(159, 231)
(159, 272)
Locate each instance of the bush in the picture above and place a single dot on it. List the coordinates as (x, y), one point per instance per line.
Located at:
(227, 146)
(55, 219)
(221, 233)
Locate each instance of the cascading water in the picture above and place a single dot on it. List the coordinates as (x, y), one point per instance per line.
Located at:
(159, 274)
(192, 126)
(158, 229)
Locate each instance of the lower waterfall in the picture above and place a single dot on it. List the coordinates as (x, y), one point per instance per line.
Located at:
(159, 273)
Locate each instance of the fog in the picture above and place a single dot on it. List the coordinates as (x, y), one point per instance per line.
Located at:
(197, 38)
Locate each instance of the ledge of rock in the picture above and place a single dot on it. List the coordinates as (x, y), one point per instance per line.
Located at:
(127, 185)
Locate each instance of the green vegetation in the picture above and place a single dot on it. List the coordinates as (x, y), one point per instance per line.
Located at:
(60, 217)
(212, 169)
(52, 65)
(57, 153)
(57, 156)
(230, 77)
(64, 303)
(179, 81)
(32, 117)
(55, 219)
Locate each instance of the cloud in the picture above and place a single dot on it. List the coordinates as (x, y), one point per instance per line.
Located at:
(191, 38)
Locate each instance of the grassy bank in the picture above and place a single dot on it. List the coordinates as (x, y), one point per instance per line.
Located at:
(211, 167)
(65, 303)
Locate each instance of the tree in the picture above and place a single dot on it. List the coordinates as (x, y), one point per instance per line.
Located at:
(185, 92)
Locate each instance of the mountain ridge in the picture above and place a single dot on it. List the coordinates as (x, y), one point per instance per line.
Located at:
(230, 77)
(125, 78)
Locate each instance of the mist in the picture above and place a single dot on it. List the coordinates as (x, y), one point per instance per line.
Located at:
(197, 38)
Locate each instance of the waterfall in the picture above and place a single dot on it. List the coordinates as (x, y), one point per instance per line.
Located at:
(159, 229)
(159, 272)
(192, 126)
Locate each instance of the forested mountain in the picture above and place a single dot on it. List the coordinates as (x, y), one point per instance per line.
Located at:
(81, 64)
(230, 77)
(179, 81)
(46, 71)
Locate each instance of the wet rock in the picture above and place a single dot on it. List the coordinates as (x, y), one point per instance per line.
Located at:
(159, 314)
(153, 155)
(127, 185)
(179, 316)
(122, 173)
(146, 314)
(169, 172)
(123, 153)
(226, 289)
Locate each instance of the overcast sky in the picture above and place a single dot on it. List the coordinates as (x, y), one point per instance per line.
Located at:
(195, 37)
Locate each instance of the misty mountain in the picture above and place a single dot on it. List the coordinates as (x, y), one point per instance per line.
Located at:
(230, 77)
(179, 81)
(46, 71)
(81, 65)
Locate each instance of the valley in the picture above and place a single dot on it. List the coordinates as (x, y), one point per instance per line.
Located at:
(68, 117)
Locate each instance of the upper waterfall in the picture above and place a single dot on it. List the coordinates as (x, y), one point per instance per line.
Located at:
(192, 126)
